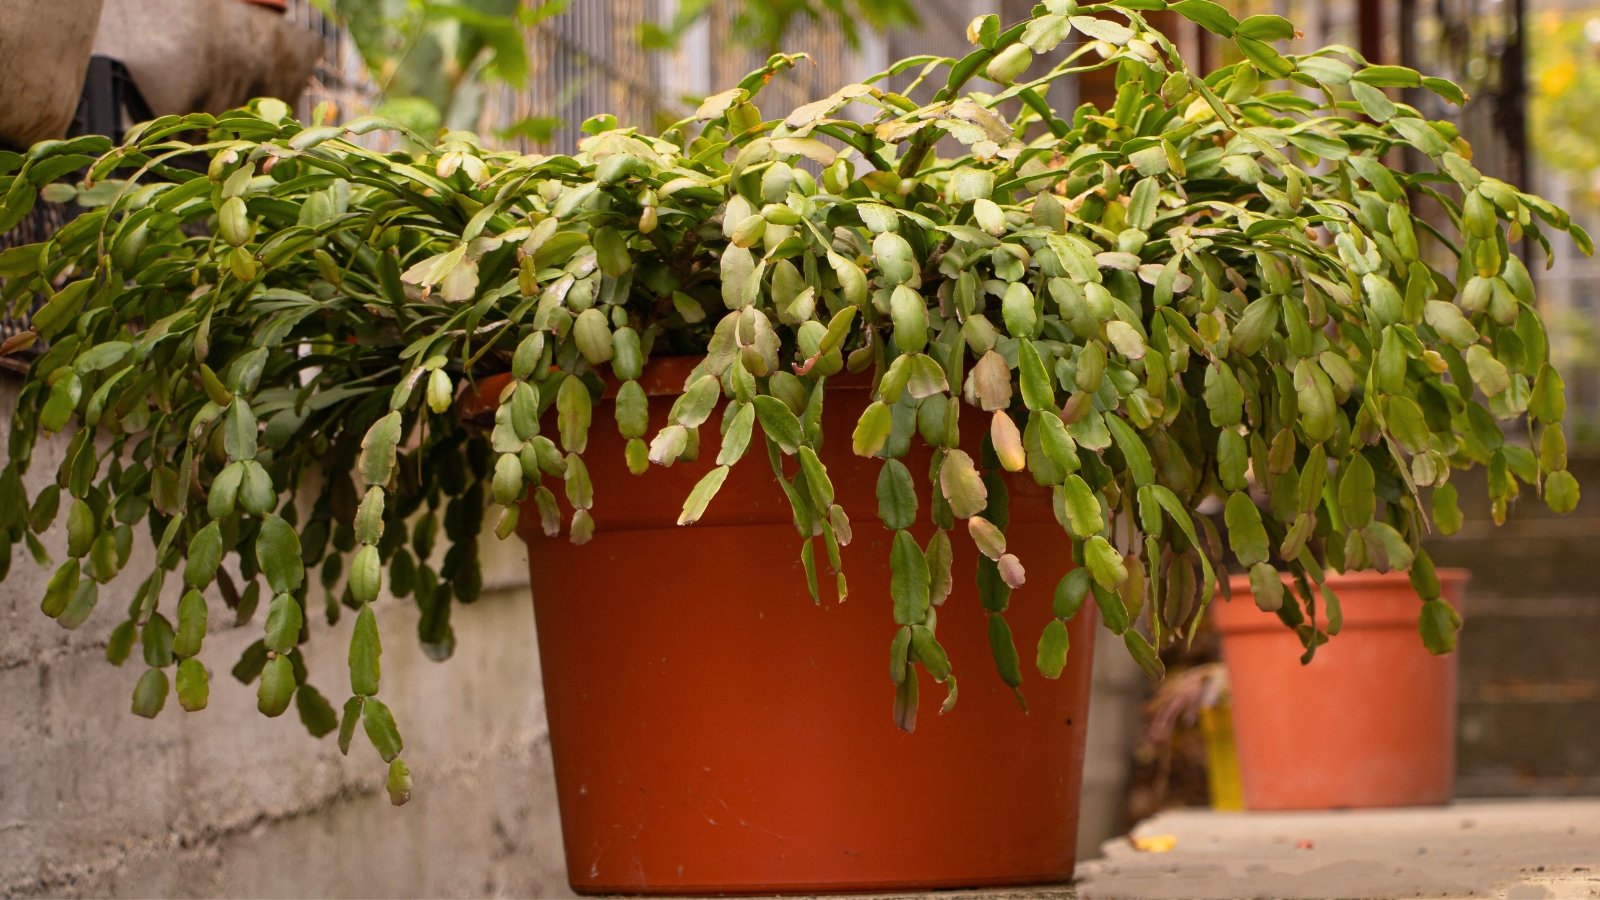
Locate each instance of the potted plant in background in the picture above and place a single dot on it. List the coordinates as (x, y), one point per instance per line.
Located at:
(1391, 746)
(989, 387)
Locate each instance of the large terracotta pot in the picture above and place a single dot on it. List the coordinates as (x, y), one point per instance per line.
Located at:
(713, 731)
(44, 53)
(1370, 722)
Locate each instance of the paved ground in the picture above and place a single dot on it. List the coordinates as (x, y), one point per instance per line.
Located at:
(1514, 849)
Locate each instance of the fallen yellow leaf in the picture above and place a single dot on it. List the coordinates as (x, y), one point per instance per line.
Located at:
(1156, 843)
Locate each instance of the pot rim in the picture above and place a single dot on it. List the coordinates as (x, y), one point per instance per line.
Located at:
(1451, 577)
(663, 376)
(1395, 604)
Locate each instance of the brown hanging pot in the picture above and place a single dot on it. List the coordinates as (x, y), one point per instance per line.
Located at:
(208, 55)
(44, 53)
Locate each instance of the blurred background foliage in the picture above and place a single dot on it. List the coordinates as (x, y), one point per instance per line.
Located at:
(1565, 107)
(763, 23)
(430, 63)
(434, 64)
(524, 74)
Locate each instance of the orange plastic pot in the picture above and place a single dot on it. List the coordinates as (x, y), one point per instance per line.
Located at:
(1370, 722)
(714, 731)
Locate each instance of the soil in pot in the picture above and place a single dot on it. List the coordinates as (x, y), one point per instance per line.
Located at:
(715, 731)
(1370, 722)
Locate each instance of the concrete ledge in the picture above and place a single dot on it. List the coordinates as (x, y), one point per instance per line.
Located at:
(1547, 848)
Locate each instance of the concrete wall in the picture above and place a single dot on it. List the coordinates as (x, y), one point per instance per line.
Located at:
(95, 801)
(1115, 719)
(1530, 676)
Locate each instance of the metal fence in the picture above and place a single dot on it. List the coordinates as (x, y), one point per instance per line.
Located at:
(589, 61)
(340, 78)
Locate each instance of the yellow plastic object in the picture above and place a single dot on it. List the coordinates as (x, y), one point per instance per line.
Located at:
(1222, 761)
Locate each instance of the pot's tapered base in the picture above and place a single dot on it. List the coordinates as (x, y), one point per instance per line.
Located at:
(714, 731)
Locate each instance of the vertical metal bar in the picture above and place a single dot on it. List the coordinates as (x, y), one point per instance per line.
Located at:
(1514, 80)
(1370, 30)
(1408, 36)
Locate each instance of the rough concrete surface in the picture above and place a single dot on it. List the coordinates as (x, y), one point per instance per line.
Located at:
(96, 802)
(1529, 707)
(1516, 849)
(224, 802)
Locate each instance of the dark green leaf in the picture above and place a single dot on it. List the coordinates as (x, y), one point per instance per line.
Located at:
(192, 615)
(378, 449)
(1438, 624)
(1051, 658)
(278, 555)
(378, 722)
(276, 688)
(1266, 28)
(1144, 655)
(150, 693)
(1246, 535)
(365, 652)
(205, 554)
(779, 422)
(348, 722)
(1356, 498)
(1208, 15)
(316, 713)
(908, 579)
(1004, 650)
(897, 496)
(194, 685)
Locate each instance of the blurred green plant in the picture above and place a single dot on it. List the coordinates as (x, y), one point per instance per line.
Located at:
(763, 23)
(1564, 132)
(1565, 107)
(432, 61)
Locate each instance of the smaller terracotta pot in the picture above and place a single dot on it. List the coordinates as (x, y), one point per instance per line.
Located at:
(1369, 722)
(279, 5)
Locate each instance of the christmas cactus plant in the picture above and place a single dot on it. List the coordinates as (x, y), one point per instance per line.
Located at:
(259, 335)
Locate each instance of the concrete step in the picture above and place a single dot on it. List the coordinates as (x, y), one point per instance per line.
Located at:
(1547, 848)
